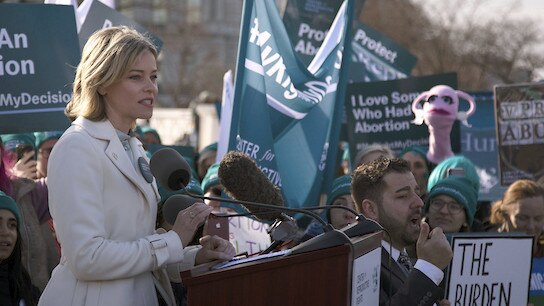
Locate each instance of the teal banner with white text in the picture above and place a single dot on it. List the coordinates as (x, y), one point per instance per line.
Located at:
(39, 51)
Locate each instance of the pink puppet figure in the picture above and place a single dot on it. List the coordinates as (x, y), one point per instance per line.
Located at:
(440, 110)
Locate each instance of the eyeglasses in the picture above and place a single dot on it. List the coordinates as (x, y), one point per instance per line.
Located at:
(453, 207)
(45, 151)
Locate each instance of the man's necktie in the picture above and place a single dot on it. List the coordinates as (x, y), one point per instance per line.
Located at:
(404, 261)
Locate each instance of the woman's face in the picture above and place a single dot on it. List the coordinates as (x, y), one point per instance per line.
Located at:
(527, 215)
(341, 217)
(419, 169)
(133, 96)
(8, 233)
(445, 212)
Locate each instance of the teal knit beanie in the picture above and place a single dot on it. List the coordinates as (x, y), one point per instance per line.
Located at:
(340, 186)
(42, 137)
(147, 129)
(441, 171)
(211, 178)
(6, 202)
(12, 140)
(193, 187)
(459, 188)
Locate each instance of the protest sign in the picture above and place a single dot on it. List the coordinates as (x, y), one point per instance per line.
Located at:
(479, 144)
(37, 60)
(248, 235)
(102, 16)
(519, 111)
(536, 293)
(380, 112)
(375, 57)
(484, 270)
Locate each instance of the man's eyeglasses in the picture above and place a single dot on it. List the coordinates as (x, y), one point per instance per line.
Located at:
(453, 207)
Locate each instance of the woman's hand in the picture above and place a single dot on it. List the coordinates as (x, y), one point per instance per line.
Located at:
(26, 167)
(189, 219)
(214, 247)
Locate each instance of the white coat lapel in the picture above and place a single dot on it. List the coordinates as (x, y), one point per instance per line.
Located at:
(116, 153)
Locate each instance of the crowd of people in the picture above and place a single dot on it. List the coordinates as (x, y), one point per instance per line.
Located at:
(81, 220)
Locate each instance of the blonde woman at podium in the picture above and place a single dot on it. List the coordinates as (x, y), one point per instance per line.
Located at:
(386, 191)
(102, 195)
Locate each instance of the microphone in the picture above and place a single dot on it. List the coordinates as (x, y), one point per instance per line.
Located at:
(173, 205)
(172, 171)
(362, 227)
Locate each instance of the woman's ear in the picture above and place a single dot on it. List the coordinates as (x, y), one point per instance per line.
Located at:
(101, 91)
(370, 209)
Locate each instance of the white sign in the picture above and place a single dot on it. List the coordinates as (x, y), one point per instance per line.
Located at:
(490, 270)
(365, 279)
(248, 235)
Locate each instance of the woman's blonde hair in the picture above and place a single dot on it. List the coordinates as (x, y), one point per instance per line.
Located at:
(107, 56)
(520, 189)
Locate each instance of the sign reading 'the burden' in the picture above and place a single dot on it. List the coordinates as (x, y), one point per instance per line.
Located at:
(489, 269)
(38, 52)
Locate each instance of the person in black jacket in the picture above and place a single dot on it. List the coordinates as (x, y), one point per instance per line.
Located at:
(386, 191)
(15, 284)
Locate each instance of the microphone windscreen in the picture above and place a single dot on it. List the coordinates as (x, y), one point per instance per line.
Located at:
(242, 180)
(170, 169)
(174, 204)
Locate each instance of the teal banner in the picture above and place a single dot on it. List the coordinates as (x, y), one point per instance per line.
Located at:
(380, 112)
(38, 52)
(377, 58)
(479, 144)
(102, 16)
(286, 116)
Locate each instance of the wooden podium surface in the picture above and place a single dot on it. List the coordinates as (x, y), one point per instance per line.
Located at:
(320, 277)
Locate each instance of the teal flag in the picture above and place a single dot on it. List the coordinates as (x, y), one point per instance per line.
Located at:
(285, 116)
(38, 52)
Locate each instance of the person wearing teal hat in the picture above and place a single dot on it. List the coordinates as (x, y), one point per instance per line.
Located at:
(211, 186)
(13, 274)
(455, 166)
(20, 150)
(45, 141)
(416, 157)
(151, 136)
(340, 195)
(206, 158)
(451, 204)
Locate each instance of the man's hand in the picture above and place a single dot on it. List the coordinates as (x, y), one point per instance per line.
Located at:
(433, 247)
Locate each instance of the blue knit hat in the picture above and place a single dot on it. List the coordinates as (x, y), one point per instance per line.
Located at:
(459, 161)
(211, 178)
(42, 137)
(6, 202)
(340, 186)
(12, 140)
(459, 188)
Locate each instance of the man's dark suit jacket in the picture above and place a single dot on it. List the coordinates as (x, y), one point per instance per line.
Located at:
(405, 289)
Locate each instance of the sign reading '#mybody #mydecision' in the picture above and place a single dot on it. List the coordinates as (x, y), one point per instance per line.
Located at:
(102, 16)
(489, 269)
(38, 52)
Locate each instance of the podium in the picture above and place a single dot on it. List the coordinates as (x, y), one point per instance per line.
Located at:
(322, 277)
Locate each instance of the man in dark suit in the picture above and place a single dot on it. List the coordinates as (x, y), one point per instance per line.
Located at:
(386, 191)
